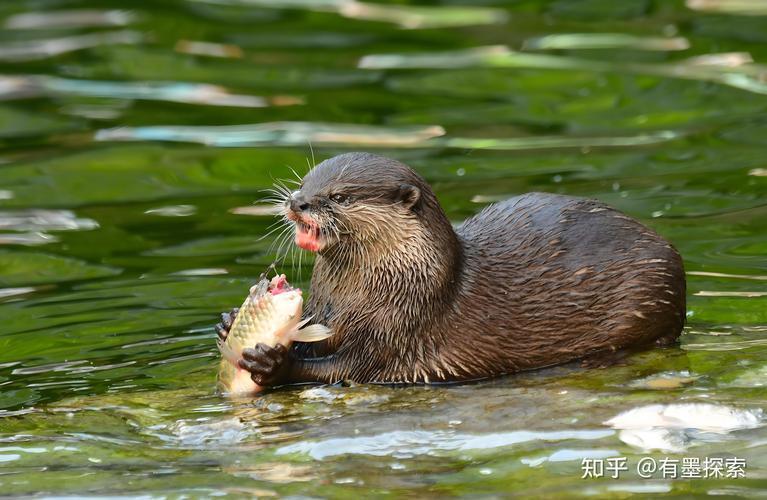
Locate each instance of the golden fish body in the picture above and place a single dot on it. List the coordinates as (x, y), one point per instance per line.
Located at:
(271, 315)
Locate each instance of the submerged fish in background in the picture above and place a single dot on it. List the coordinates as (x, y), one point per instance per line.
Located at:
(675, 427)
(271, 315)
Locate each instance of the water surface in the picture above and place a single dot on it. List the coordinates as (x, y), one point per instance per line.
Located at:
(136, 139)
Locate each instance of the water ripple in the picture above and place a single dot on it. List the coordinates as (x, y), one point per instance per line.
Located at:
(44, 220)
(574, 41)
(750, 77)
(278, 133)
(173, 211)
(82, 18)
(31, 50)
(712, 274)
(406, 16)
(22, 87)
(401, 444)
(737, 7)
(729, 293)
(27, 239)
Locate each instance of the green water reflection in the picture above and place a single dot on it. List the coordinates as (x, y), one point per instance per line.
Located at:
(135, 140)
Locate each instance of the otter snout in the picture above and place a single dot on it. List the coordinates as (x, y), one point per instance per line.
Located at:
(297, 202)
(308, 233)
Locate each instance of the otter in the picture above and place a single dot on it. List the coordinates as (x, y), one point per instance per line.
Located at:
(534, 281)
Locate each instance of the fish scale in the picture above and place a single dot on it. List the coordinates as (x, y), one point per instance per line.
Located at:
(255, 315)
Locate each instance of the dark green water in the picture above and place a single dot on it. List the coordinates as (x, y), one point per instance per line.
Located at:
(129, 146)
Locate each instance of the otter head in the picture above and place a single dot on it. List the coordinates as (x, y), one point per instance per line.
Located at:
(358, 200)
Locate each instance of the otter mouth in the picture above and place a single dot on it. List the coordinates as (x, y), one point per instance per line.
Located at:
(309, 236)
(309, 233)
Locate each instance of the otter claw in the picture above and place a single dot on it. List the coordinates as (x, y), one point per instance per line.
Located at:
(221, 332)
(227, 319)
(264, 363)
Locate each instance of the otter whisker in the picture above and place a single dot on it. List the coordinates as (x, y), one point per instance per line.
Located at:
(277, 226)
(273, 190)
(281, 222)
(299, 179)
(314, 162)
(283, 239)
(276, 223)
(278, 253)
(282, 188)
(291, 181)
(277, 200)
(271, 197)
(293, 260)
(270, 200)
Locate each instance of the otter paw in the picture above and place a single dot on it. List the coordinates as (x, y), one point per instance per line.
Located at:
(265, 364)
(222, 329)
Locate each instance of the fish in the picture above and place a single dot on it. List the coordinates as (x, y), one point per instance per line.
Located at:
(271, 315)
(675, 427)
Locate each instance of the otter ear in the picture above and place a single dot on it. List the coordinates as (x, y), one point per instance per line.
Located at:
(408, 195)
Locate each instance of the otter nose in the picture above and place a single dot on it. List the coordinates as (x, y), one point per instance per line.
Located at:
(297, 202)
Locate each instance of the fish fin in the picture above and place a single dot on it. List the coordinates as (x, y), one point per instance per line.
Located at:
(313, 333)
(259, 289)
(303, 322)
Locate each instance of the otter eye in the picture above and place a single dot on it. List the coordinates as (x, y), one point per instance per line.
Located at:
(341, 199)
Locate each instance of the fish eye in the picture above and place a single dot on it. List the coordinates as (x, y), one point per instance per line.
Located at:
(341, 199)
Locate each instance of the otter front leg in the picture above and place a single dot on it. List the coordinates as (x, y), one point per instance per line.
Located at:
(271, 366)
(267, 365)
(227, 319)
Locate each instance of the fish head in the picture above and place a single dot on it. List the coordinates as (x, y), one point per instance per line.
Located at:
(287, 302)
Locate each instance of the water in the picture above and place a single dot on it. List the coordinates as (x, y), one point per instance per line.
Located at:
(135, 139)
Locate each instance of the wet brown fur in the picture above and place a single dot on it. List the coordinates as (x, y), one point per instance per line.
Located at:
(533, 281)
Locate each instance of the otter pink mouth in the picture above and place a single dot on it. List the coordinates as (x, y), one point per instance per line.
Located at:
(308, 236)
